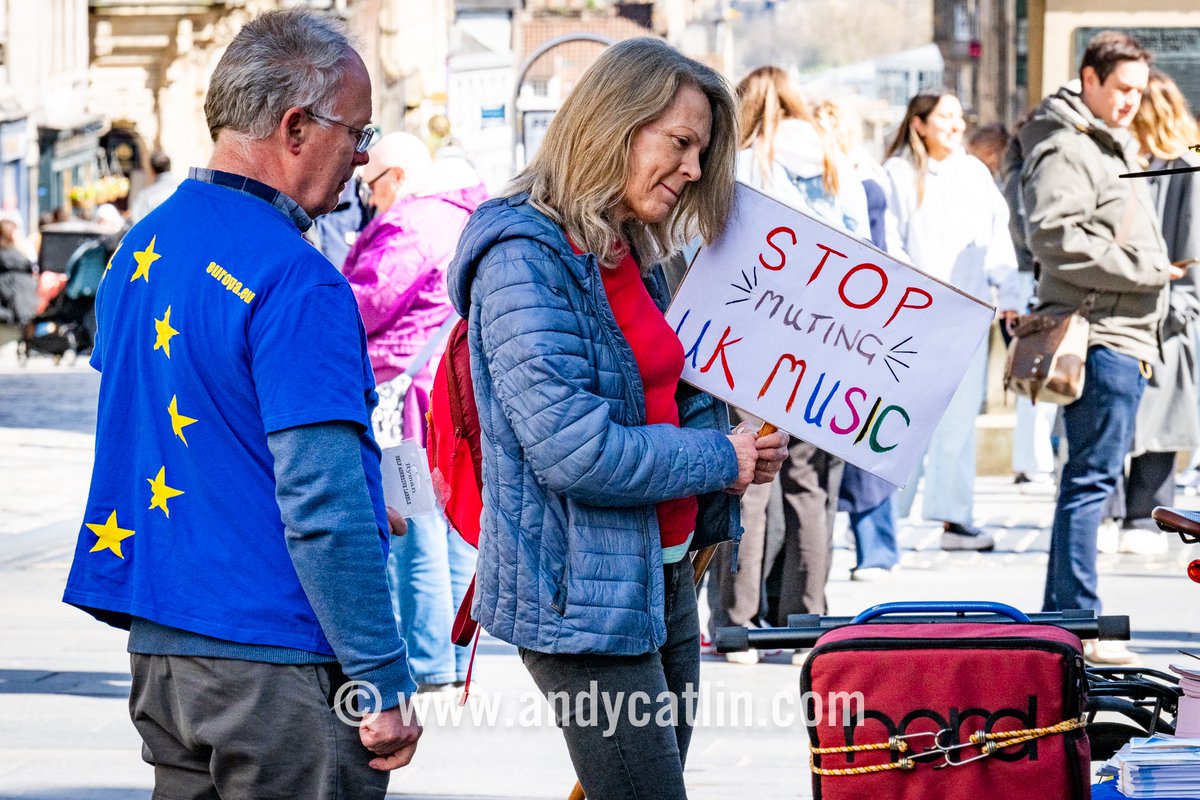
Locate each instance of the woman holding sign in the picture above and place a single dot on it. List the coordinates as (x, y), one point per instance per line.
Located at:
(600, 470)
(947, 216)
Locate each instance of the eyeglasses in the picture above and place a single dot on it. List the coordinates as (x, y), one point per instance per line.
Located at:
(363, 136)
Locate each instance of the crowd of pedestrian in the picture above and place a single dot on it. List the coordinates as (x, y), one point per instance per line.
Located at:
(256, 412)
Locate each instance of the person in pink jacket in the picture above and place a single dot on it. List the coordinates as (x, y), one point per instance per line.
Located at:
(397, 269)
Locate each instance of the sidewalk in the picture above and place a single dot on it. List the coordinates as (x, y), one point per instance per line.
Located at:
(65, 733)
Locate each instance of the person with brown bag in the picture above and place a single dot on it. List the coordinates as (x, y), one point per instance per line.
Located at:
(1094, 233)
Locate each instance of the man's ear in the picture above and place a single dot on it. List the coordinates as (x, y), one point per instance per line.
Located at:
(1089, 77)
(292, 129)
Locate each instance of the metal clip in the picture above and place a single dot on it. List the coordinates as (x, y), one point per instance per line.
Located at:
(986, 749)
(896, 741)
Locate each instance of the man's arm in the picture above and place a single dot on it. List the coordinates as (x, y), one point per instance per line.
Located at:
(333, 541)
(1065, 235)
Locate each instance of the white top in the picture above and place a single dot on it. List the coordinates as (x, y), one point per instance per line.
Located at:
(959, 233)
(799, 153)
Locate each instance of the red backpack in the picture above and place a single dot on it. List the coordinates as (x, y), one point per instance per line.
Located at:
(456, 456)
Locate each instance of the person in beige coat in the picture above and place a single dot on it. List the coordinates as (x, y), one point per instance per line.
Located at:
(1096, 241)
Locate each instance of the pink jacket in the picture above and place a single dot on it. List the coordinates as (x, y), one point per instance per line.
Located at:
(397, 270)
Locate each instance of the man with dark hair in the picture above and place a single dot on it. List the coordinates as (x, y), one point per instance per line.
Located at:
(1098, 250)
(235, 523)
(152, 196)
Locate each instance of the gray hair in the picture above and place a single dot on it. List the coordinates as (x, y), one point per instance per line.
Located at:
(281, 60)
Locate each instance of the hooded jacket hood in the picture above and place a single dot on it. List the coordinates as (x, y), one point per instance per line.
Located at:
(1065, 109)
(499, 220)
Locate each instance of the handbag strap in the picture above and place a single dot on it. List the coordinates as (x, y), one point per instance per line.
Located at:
(426, 352)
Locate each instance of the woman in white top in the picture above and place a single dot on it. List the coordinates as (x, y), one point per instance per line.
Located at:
(784, 153)
(947, 216)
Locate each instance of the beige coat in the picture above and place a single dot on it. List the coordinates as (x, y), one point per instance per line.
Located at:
(1090, 230)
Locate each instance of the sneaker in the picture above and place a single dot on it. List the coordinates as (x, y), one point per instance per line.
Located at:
(800, 656)
(1109, 654)
(871, 574)
(1035, 483)
(743, 657)
(707, 648)
(1108, 536)
(966, 537)
(1142, 542)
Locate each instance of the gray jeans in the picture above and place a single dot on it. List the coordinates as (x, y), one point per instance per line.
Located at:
(615, 710)
(221, 728)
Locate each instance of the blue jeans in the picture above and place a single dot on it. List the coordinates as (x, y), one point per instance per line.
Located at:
(429, 569)
(875, 536)
(948, 465)
(1099, 429)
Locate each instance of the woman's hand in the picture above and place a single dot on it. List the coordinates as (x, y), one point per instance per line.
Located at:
(747, 457)
(772, 452)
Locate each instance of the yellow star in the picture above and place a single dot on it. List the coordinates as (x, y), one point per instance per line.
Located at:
(163, 328)
(144, 259)
(108, 266)
(160, 492)
(109, 535)
(179, 421)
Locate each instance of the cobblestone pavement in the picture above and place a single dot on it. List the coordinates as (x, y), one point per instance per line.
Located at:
(65, 733)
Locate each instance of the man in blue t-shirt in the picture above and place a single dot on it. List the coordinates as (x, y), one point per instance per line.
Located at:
(235, 523)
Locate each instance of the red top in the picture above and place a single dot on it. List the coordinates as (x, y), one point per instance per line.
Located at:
(659, 358)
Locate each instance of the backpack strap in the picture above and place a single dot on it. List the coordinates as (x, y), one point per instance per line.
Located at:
(426, 352)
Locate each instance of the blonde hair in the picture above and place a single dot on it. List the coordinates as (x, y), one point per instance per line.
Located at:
(919, 107)
(578, 176)
(766, 97)
(1164, 124)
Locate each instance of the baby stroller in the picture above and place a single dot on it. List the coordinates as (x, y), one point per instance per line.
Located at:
(69, 321)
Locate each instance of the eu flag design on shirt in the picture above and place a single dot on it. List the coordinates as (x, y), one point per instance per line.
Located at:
(211, 335)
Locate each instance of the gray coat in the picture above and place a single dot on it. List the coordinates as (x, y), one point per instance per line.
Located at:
(1168, 419)
(1091, 231)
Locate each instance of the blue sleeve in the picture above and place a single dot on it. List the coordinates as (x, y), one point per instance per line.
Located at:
(307, 359)
(537, 357)
(333, 541)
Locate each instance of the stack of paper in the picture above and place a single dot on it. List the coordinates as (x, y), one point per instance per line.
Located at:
(1159, 766)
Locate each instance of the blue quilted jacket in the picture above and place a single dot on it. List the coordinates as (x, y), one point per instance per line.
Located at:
(569, 555)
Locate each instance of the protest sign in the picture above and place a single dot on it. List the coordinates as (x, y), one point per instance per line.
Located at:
(824, 336)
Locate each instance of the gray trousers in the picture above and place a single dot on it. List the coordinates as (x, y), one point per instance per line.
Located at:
(622, 747)
(811, 479)
(223, 729)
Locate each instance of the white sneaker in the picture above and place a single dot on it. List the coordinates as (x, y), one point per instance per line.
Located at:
(743, 657)
(1142, 542)
(1109, 654)
(872, 574)
(1108, 536)
(800, 656)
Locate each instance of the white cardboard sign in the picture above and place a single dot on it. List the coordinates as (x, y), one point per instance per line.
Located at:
(824, 336)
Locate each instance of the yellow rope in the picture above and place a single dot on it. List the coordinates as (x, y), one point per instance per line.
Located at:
(988, 743)
(904, 763)
(1009, 738)
(893, 743)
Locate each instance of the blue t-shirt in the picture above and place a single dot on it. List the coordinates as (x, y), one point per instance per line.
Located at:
(218, 324)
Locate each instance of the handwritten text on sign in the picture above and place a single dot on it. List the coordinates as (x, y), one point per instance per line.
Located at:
(824, 336)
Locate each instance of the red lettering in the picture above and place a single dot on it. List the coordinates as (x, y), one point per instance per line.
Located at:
(720, 351)
(833, 424)
(883, 282)
(816, 272)
(777, 248)
(795, 364)
(904, 302)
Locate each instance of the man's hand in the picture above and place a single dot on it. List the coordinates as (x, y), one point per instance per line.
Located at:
(392, 735)
(397, 526)
(1008, 318)
(772, 452)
